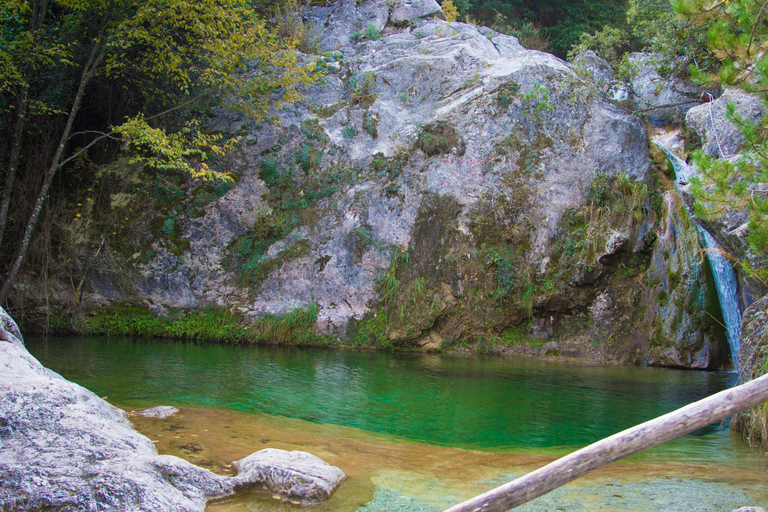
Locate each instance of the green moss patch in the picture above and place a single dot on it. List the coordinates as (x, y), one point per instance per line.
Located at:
(438, 138)
(209, 324)
(313, 131)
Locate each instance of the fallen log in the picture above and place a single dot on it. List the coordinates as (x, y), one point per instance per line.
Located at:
(640, 437)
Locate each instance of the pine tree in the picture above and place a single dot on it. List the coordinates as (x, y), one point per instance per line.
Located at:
(737, 34)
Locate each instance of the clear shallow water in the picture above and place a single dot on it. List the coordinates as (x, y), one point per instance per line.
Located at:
(468, 402)
(413, 418)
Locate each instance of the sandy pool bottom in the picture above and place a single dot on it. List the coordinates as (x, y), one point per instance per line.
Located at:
(389, 474)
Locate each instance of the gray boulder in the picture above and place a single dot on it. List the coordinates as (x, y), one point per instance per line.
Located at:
(430, 111)
(597, 68)
(342, 20)
(721, 137)
(297, 477)
(9, 331)
(63, 447)
(439, 110)
(666, 97)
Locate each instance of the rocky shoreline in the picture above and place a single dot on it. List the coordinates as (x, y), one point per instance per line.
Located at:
(64, 447)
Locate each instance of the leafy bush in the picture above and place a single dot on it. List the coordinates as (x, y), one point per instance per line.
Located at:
(370, 32)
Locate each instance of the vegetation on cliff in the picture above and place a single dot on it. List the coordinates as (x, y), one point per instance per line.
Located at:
(550, 25)
(79, 78)
(721, 44)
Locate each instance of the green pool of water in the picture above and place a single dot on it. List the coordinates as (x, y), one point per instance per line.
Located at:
(468, 402)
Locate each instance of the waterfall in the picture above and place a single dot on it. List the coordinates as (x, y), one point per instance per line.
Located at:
(683, 171)
(722, 271)
(725, 282)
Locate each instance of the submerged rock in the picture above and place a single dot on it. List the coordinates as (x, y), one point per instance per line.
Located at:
(160, 412)
(63, 447)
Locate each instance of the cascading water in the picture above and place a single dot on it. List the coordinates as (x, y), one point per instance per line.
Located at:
(683, 171)
(725, 282)
(722, 271)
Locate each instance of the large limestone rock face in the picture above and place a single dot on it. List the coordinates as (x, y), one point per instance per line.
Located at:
(437, 120)
(65, 448)
(440, 184)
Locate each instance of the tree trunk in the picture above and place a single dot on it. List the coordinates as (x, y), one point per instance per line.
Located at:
(646, 435)
(22, 106)
(13, 164)
(94, 59)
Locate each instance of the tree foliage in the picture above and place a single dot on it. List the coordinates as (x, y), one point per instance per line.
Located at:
(653, 26)
(737, 34)
(553, 25)
(75, 74)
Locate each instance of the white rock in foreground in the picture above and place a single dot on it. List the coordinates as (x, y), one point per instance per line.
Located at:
(63, 447)
(297, 477)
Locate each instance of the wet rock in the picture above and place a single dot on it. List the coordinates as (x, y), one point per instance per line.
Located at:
(296, 477)
(541, 329)
(160, 412)
(602, 309)
(63, 447)
(721, 137)
(679, 296)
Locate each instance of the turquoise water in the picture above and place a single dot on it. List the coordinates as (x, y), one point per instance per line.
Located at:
(470, 402)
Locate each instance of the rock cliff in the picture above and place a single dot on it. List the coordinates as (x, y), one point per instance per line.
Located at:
(440, 186)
